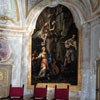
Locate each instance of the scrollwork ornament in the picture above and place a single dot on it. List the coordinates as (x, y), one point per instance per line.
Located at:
(3, 19)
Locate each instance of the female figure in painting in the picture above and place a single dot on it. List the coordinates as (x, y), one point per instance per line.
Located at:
(44, 62)
(71, 47)
(46, 34)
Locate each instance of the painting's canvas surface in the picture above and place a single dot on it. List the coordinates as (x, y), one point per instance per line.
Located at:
(55, 47)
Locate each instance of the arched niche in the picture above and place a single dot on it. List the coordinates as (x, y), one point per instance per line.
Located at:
(77, 85)
(79, 14)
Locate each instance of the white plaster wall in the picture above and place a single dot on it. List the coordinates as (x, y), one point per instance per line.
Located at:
(90, 52)
(17, 51)
(15, 42)
(88, 55)
(95, 54)
(26, 60)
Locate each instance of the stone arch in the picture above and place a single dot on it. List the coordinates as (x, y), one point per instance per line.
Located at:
(78, 14)
(78, 17)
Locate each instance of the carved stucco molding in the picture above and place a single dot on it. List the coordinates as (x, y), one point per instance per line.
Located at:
(38, 10)
(35, 12)
(77, 9)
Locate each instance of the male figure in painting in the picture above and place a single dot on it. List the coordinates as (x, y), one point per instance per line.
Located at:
(35, 65)
(71, 47)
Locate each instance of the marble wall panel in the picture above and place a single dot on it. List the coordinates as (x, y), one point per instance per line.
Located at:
(5, 79)
(95, 54)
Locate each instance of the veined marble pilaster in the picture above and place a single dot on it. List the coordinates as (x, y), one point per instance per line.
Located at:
(95, 54)
(26, 61)
(85, 61)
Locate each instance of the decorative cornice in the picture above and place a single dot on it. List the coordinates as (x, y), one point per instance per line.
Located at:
(13, 28)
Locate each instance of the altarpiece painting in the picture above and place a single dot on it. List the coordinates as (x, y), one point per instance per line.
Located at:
(55, 47)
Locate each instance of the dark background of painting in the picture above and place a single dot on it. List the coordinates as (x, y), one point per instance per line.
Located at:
(65, 22)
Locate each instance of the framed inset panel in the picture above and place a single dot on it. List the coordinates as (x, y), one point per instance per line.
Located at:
(5, 79)
(5, 49)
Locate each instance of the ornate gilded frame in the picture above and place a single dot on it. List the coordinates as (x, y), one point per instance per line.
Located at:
(72, 87)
